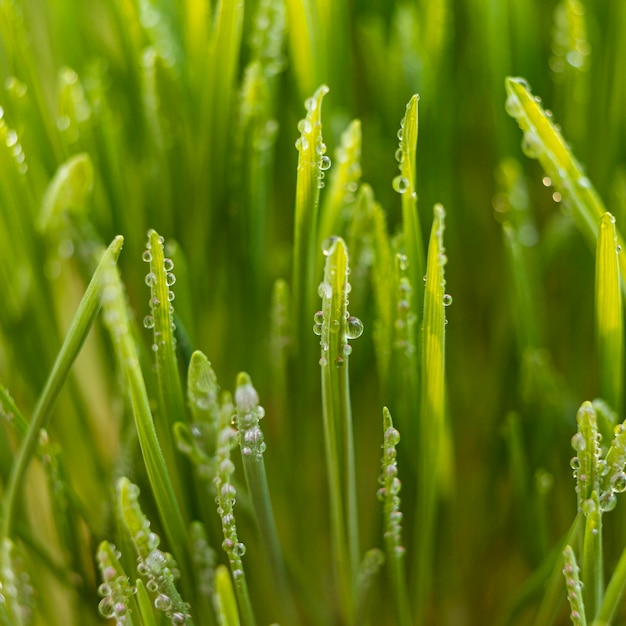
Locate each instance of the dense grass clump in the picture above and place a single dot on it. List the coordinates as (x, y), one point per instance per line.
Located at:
(298, 327)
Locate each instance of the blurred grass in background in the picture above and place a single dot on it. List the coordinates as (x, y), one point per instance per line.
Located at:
(188, 113)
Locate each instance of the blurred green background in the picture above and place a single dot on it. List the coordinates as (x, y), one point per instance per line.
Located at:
(183, 140)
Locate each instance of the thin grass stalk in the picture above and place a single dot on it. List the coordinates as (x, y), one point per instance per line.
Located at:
(225, 598)
(609, 315)
(77, 333)
(335, 326)
(432, 413)
(392, 518)
(592, 558)
(574, 586)
(252, 445)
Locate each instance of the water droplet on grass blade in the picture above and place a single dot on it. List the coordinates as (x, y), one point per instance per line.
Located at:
(325, 163)
(531, 145)
(148, 321)
(354, 327)
(400, 184)
(328, 243)
(447, 299)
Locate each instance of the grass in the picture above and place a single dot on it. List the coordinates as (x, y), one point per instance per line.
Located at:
(260, 161)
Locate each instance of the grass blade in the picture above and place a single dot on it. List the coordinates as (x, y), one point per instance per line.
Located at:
(432, 412)
(252, 444)
(311, 161)
(83, 320)
(574, 586)
(609, 315)
(335, 326)
(544, 142)
(225, 598)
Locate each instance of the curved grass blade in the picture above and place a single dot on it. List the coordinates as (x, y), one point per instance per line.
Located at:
(432, 412)
(77, 333)
(335, 326)
(118, 600)
(609, 315)
(544, 142)
(311, 162)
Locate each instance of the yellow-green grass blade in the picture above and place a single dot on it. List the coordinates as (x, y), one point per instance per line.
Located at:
(116, 318)
(592, 557)
(311, 162)
(431, 462)
(336, 327)
(406, 185)
(344, 182)
(77, 333)
(225, 598)
(609, 315)
(543, 141)
(306, 51)
(154, 566)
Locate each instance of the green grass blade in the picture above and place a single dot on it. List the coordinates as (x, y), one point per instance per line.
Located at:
(343, 184)
(543, 141)
(226, 492)
(83, 320)
(154, 565)
(432, 412)
(225, 598)
(574, 588)
(335, 326)
(117, 320)
(592, 561)
(609, 315)
(406, 185)
(392, 517)
(252, 445)
(311, 160)
(144, 604)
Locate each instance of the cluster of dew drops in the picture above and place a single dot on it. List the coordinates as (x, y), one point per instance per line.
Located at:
(617, 481)
(354, 326)
(151, 281)
(400, 183)
(302, 143)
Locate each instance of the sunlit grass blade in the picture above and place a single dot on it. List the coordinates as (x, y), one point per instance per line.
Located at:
(406, 185)
(431, 461)
(335, 327)
(344, 182)
(574, 587)
(543, 141)
(311, 162)
(83, 320)
(304, 38)
(592, 558)
(116, 318)
(225, 598)
(252, 445)
(609, 315)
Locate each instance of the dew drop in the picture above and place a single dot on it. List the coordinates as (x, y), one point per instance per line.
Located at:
(403, 261)
(317, 329)
(347, 349)
(339, 361)
(148, 321)
(354, 327)
(168, 265)
(147, 256)
(325, 163)
(618, 482)
(400, 133)
(239, 549)
(574, 463)
(547, 181)
(162, 602)
(170, 279)
(556, 196)
(578, 442)
(304, 126)
(584, 182)
(447, 299)
(328, 243)
(513, 107)
(151, 279)
(310, 105)
(608, 501)
(400, 184)
(531, 145)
